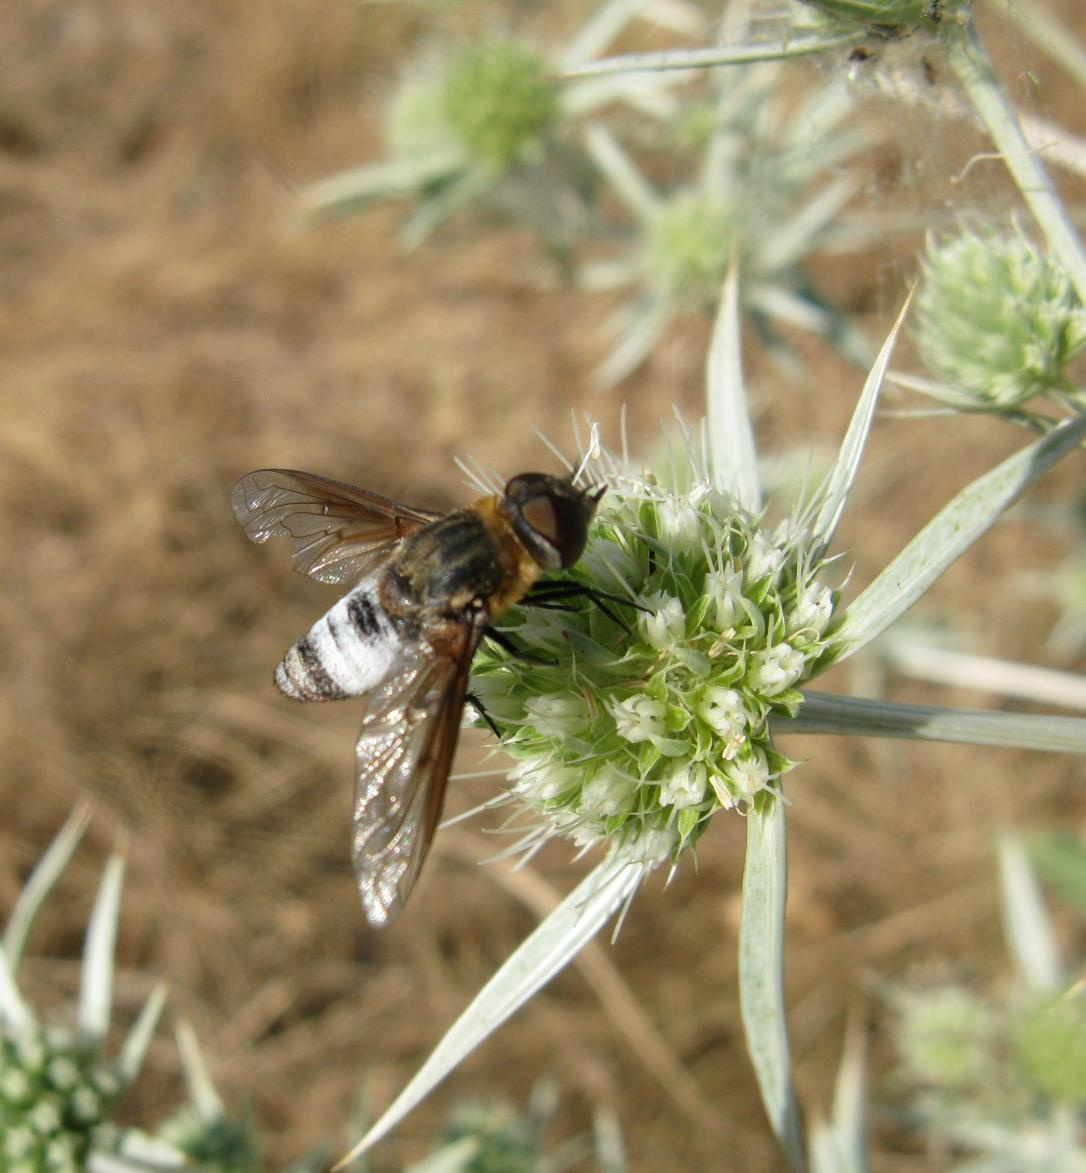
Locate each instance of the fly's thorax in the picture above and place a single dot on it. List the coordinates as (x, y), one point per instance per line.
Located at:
(447, 569)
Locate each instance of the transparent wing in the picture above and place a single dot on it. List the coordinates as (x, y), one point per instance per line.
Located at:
(404, 752)
(339, 532)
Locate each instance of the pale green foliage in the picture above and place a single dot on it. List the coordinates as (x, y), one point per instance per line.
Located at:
(997, 319)
(1050, 1047)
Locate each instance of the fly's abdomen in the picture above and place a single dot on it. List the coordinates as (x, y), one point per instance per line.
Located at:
(345, 653)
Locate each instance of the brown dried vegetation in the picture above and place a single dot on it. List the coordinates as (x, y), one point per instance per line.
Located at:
(162, 332)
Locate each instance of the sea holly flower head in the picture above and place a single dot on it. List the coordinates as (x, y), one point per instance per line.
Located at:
(500, 101)
(997, 319)
(688, 245)
(56, 1093)
(58, 1088)
(662, 716)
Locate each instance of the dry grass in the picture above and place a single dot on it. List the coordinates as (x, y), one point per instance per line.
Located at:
(161, 334)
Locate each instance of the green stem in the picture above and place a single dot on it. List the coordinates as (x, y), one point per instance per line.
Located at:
(968, 59)
(804, 46)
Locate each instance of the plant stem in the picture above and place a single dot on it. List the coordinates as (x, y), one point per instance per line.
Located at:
(967, 57)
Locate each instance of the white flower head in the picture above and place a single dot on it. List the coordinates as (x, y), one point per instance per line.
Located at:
(812, 612)
(678, 519)
(556, 715)
(723, 711)
(748, 773)
(725, 589)
(610, 792)
(684, 785)
(541, 780)
(639, 718)
(764, 559)
(776, 668)
(665, 626)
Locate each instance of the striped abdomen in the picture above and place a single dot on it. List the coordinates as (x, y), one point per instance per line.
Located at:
(346, 652)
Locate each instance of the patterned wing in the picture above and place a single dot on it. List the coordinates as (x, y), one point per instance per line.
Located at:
(404, 753)
(339, 532)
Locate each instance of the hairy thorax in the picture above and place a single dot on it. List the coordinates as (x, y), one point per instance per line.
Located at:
(466, 561)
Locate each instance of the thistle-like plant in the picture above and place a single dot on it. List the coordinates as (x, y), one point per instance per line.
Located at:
(998, 322)
(768, 191)
(1003, 1077)
(665, 712)
(58, 1086)
(487, 124)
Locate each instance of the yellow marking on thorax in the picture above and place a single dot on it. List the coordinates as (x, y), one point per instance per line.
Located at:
(520, 569)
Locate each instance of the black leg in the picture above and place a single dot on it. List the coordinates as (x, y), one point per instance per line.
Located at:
(507, 645)
(477, 705)
(547, 594)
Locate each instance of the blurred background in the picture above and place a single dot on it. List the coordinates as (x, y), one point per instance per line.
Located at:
(167, 323)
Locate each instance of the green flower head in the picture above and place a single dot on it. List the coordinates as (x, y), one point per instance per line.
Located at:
(997, 319)
(499, 102)
(688, 248)
(633, 723)
(55, 1094)
(948, 1037)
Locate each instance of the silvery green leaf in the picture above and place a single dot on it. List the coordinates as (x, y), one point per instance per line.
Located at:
(861, 717)
(96, 981)
(547, 950)
(139, 1153)
(840, 1147)
(139, 1037)
(905, 653)
(761, 974)
(350, 191)
(628, 183)
(731, 438)
(14, 1012)
(643, 328)
(437, 207)
(41, 882)
(796, 237)
(202, 1091)
(967, 58)
(949, 534)
(1027, 927)
(847, 464)
(599, 31)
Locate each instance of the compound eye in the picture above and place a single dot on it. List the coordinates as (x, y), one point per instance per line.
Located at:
(540, 514)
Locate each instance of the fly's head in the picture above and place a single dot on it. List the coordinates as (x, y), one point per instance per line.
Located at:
(550, 517)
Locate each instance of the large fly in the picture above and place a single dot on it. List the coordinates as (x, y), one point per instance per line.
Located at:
(425, 589)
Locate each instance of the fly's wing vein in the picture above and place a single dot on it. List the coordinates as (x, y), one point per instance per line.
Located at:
(339, 532)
